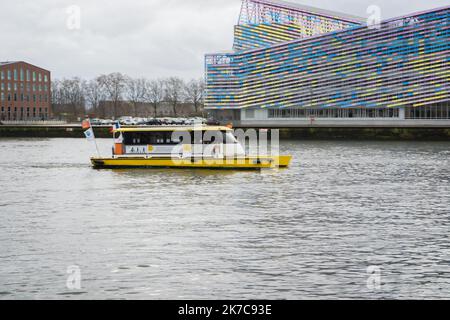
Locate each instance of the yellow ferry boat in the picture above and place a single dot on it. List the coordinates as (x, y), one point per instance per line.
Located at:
(203, 147)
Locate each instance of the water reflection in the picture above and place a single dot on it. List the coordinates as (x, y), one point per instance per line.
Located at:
(307, 232)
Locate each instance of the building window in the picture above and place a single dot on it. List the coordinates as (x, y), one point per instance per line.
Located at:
(15, 74)
(2, 75)
(250, 113)
(28, 75)
(438, 111)
(40, 77)
(341, 113)
(8, 72)
(34, 76)
(45, 78)
(21, 74)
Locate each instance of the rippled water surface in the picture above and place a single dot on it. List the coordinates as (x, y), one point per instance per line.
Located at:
(307, 232)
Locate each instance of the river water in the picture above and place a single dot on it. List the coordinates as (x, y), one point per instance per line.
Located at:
(349, 220)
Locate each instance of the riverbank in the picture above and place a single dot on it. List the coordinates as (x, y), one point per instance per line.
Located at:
(408, 134)
(53, 131)
(388, 134)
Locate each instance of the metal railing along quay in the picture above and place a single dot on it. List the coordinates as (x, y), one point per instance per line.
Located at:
(33, 123)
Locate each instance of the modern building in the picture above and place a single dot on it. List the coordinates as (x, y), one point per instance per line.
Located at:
(294, 65)
(24, 91)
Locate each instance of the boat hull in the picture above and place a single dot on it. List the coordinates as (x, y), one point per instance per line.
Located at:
(243, 163)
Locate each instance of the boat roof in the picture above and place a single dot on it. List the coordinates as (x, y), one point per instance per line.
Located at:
(173, 128)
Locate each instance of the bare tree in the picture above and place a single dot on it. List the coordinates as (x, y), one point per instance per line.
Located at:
(155, 94)
(94, 94)
(114, 85)
(56, 92)
(174, 92)
(72, 95)
(57, 100)
(136, 92)
(193, 93)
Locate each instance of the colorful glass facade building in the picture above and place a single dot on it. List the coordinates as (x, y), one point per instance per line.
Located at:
(292, 62)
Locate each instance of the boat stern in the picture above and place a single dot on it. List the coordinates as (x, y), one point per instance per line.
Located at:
(283, 161)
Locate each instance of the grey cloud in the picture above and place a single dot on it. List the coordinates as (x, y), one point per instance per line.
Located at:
(152, 38)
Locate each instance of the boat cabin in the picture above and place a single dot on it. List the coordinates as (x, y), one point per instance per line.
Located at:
(180, 142)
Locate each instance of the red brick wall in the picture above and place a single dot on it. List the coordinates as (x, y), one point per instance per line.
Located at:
(25, 95)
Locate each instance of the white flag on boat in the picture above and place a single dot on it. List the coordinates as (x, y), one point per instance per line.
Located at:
(90, 134)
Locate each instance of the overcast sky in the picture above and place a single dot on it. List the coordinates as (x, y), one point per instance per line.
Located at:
(150, 38)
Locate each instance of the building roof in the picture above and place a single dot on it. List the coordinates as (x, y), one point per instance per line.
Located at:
(411, 15)
(7, 63)
(312, 10)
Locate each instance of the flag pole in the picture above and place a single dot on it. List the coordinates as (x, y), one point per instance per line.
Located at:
(96, 146)
(95, 139)
(113, 142)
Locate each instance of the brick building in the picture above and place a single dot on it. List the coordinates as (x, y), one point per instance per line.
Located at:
(24, 91)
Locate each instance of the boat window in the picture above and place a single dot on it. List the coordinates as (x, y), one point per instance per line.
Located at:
(149, 138)
(159, 139)
(181, 137)
(166, 138)
(132, 138)
(210, 140)
(212, 137)
(230, 138)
